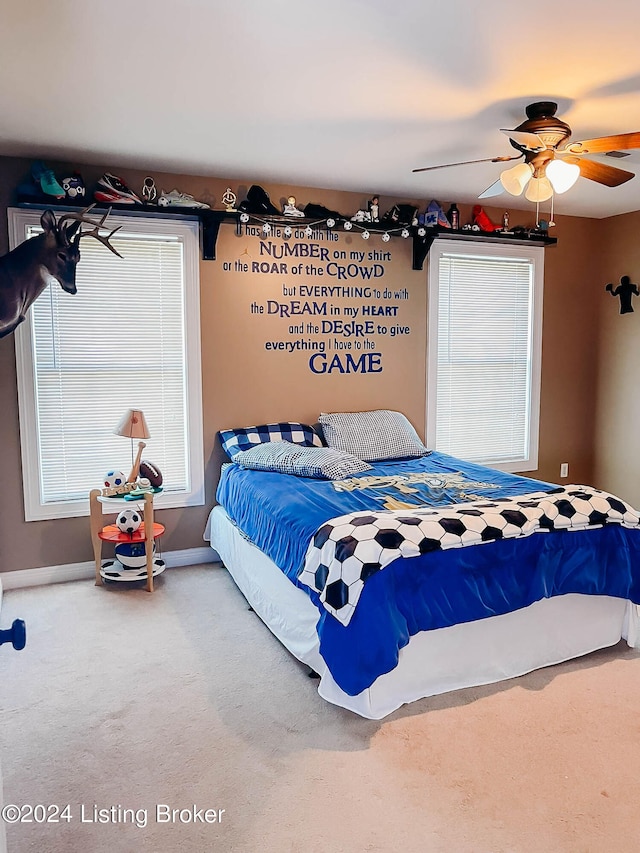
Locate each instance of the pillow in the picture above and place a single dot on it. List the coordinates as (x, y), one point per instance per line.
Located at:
(283, 457)
(373, 436)
(235, 440)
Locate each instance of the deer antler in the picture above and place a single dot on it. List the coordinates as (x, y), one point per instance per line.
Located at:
(95, 231)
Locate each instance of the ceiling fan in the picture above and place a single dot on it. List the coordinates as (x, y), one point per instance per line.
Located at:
(551, 163)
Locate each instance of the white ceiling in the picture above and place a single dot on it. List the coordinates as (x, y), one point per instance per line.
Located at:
(342, 94)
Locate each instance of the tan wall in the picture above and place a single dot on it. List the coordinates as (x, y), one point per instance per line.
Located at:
(569, 350)
(243, 383)
(617, 467)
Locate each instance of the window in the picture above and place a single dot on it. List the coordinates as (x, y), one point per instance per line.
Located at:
(484, 352)
(129, 338)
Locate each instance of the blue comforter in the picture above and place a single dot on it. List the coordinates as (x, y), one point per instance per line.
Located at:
(281, 513)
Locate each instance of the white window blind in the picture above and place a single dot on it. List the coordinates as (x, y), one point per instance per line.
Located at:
(484, 353)
(129, 338)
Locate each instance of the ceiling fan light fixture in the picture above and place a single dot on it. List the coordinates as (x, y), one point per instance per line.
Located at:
(539, 189)
(562, 175)
(515, 179)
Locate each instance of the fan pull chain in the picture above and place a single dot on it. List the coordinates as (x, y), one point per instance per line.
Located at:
(551, 222)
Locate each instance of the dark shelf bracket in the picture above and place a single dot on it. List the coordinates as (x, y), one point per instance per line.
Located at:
(422, 242)
(421, 247)
(210, 227)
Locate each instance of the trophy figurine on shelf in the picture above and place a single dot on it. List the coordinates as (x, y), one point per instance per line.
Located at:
(149, 191)
(290, 208)
(229, 199)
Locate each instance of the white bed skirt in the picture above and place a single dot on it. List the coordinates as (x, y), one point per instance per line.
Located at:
(468, 655)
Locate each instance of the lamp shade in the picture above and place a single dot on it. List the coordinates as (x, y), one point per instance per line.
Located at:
(133, 425)
(562, 175)
(515, 179)
(539, 189)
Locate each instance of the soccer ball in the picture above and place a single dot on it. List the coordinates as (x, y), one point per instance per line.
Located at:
(114, 478)
(129, 520)
(73, 187)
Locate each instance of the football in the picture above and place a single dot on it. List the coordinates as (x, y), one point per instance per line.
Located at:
(114, 478)
(151, 472)
(129, 520)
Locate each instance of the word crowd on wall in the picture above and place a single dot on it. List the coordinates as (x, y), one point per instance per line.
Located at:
(331, 300)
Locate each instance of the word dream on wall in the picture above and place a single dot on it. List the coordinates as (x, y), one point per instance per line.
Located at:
(330, 303)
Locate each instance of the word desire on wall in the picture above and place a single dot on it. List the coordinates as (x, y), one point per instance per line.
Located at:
(331, 304)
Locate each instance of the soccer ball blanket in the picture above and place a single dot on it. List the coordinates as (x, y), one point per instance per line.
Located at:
(348, 550)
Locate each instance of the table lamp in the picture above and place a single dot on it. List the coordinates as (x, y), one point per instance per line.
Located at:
(133, 425)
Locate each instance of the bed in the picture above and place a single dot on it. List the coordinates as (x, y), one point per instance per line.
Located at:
(346, 569)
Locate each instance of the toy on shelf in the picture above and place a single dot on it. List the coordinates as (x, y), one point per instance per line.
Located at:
(114, 479)
(128, 491)
(132, 555)
(434, 216)
(361, 216)
(481, 219)
(130, 563)
(46, 179)
(149, 190)
(129, 520)
(151, 473)
(290, 208)
(258, 202)
(453, 215)
(319, 211)
(175, 198)
(116, 570)
(229, 199)
(135, 468)
(112, 189)
(74, 187)
(401, 214)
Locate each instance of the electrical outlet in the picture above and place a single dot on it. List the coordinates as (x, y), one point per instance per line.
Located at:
(564, 469)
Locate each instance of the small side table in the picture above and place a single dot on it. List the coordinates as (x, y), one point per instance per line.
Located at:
(147, 532)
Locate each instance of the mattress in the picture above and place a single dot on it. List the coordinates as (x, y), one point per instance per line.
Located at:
(493, 649)
(283, 515)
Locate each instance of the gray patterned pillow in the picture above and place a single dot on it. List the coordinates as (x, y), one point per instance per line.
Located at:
(372, 436)
(283, 457)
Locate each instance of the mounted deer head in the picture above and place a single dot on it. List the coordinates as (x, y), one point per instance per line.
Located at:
(48, 258)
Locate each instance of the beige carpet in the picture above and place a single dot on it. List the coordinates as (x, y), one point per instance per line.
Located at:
(183, 698)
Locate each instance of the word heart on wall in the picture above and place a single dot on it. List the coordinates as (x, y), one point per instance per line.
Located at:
(323, 299)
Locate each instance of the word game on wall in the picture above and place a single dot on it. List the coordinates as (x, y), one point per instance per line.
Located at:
(321, 299)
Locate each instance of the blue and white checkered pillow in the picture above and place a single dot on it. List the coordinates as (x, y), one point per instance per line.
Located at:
(320, 463)
(234, 441)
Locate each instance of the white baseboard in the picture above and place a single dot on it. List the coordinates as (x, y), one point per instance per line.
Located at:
(82, 571)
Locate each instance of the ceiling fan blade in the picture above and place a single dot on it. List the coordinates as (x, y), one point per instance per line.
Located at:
(468, 162)
(531, 141)
(601, 173)
(621, 142)
(495, 189)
